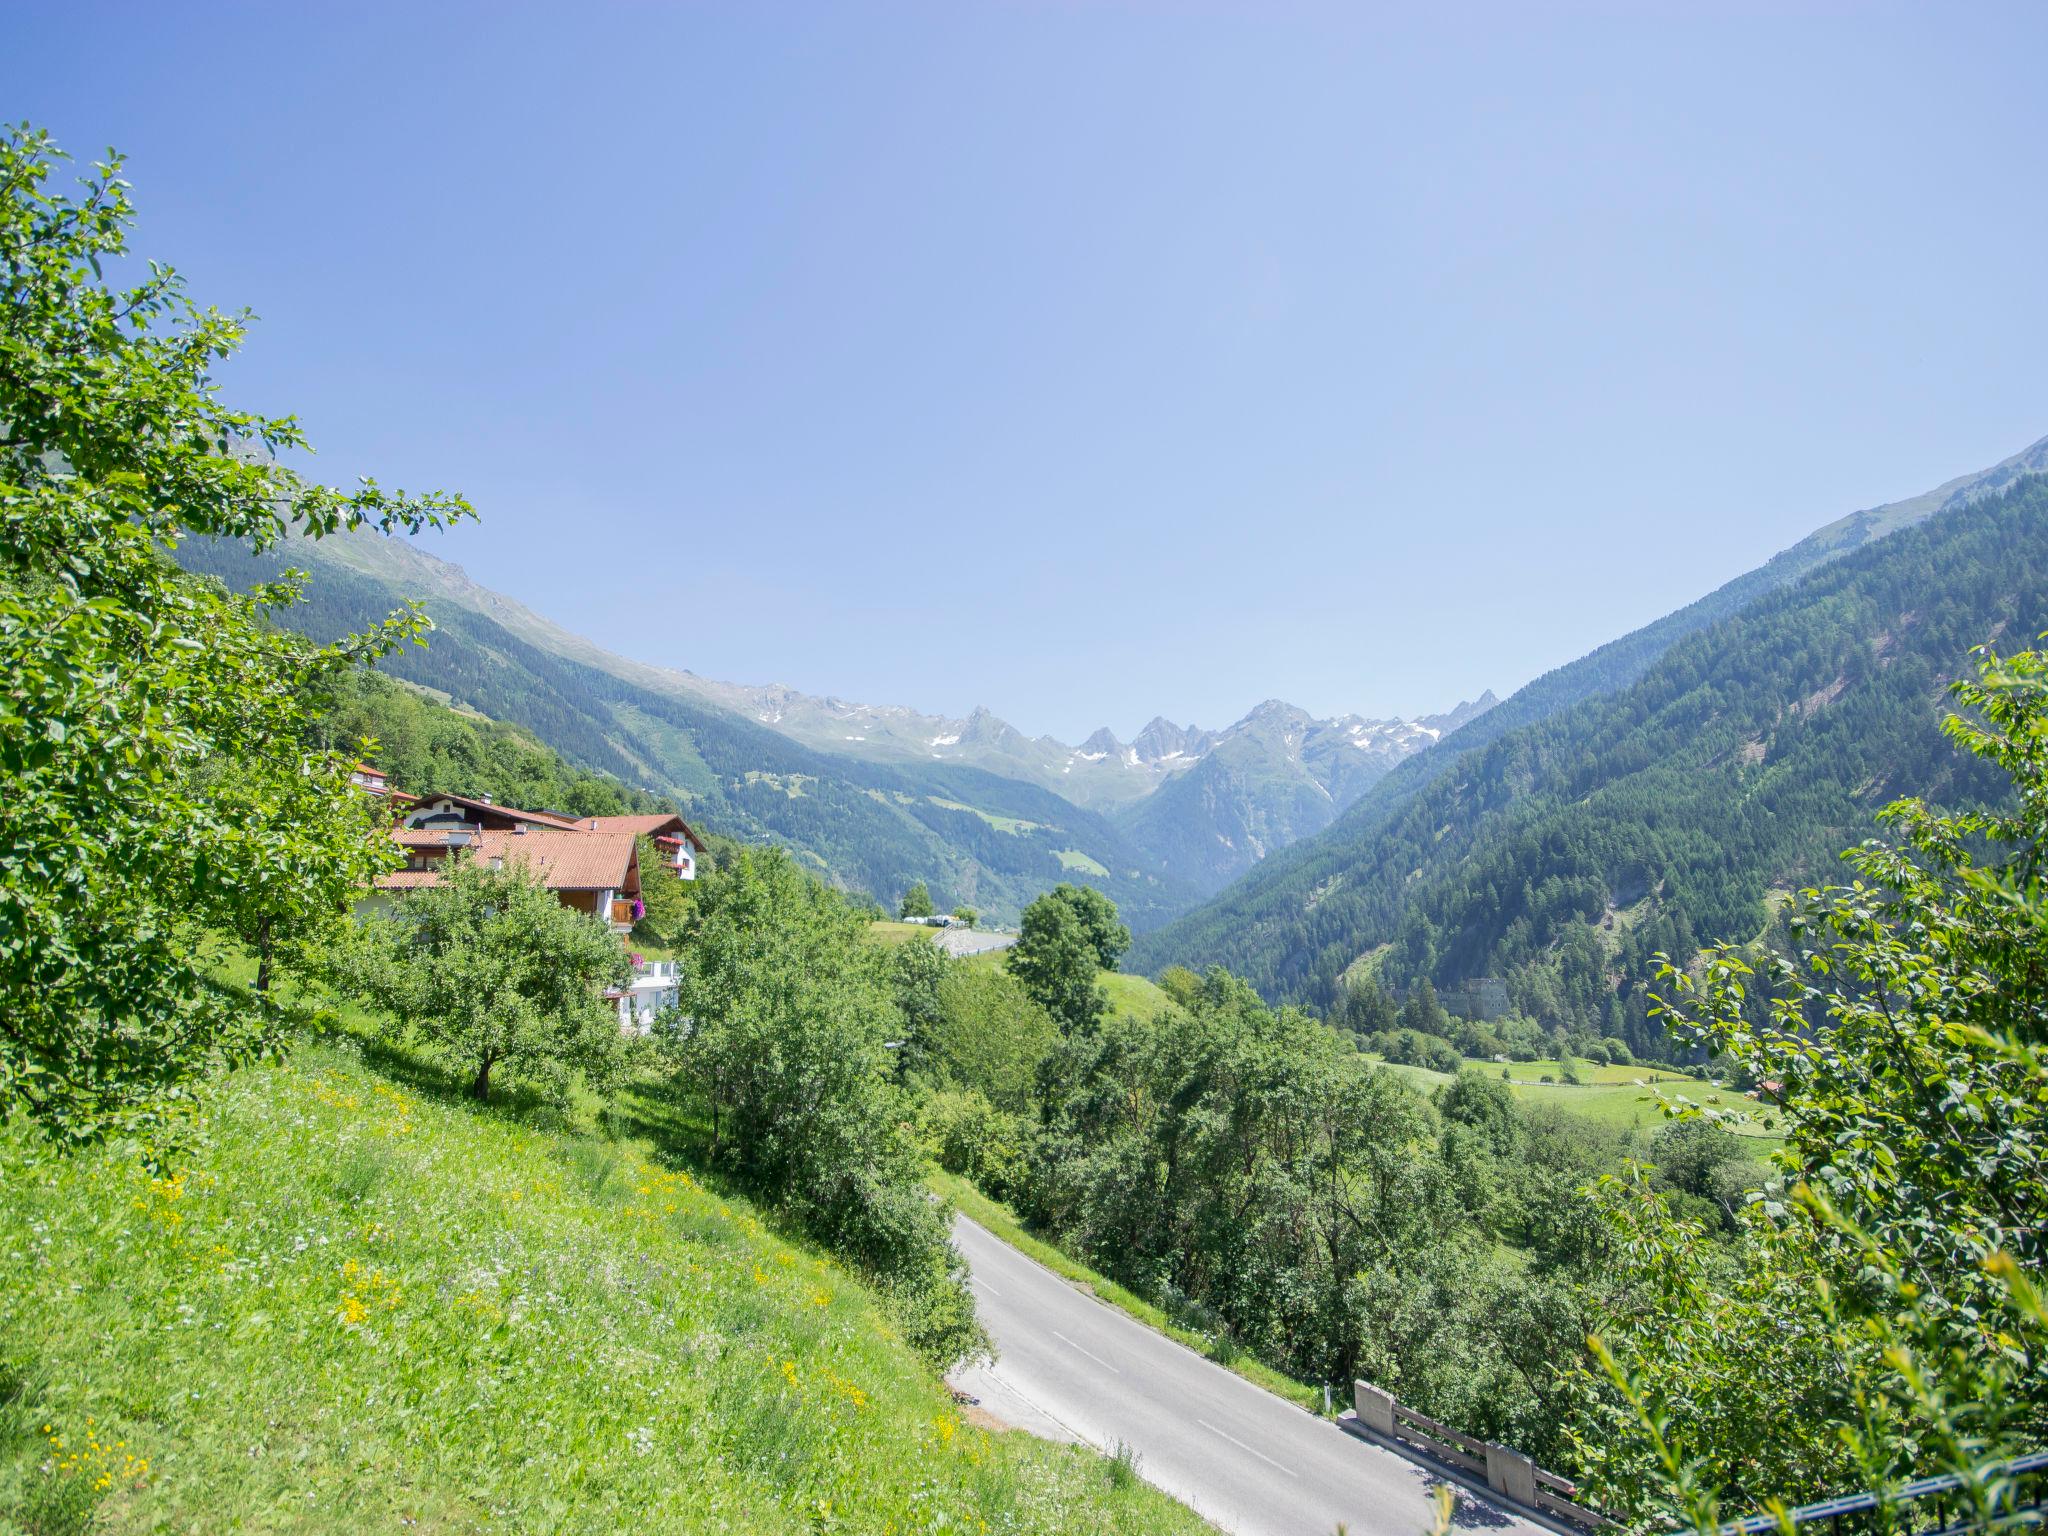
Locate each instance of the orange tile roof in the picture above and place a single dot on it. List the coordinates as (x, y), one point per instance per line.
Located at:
(565, 860)
(426, 837)
(569, 861)
(641, 826)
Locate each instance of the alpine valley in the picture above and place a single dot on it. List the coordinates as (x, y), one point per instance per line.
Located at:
(876, 797)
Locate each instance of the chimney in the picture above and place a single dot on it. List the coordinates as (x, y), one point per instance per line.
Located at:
(519, 829)
(485, 798)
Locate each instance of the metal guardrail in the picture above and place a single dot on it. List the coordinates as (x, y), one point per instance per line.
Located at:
(2026, 1480)
(2021, 1485)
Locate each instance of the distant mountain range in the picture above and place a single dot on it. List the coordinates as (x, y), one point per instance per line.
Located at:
(1182, 808)
(1278, 775)
(1101, 772)
(1205, 805)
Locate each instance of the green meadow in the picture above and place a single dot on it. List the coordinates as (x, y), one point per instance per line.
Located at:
(1620, 1098)
(360, 1302)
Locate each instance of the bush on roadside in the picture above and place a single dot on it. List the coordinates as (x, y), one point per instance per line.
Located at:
(990, 1036)
(971, 1137)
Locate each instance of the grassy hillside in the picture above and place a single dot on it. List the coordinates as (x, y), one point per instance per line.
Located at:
(1564, 854)
(363, 1303)
(1128, 994)
(976, 839)
(888, 931)
(1134, 995)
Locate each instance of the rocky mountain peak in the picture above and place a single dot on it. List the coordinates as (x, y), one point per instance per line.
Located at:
(1467, 710)
(1276, 715)
(984, 726)
(1103, 741)
(1161, 738)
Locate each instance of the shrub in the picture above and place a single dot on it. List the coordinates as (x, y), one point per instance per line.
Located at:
(989, 1036)
(971, 1137)
(1688, 1154)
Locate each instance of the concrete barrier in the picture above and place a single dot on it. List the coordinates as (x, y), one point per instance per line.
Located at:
(1511, 1475)
(1514, 1477)
(1375, 1408)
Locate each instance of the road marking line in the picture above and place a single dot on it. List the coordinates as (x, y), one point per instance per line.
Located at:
(1269, 1461)
(1088, 1352)
(977, 1280)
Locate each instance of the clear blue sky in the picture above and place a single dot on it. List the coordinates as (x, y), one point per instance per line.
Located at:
(1101, 360)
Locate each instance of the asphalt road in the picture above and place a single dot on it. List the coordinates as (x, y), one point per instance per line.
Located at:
(973, 941)
(1071, 1367)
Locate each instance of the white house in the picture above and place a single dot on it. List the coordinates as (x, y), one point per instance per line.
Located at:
(655, 986)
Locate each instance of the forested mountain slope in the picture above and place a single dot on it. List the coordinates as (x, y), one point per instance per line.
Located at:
(1562, 854)
(1620, 662)
(976, 839)
(424, 746)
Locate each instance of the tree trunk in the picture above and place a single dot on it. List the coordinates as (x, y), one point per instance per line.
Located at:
(263, 955)
(481, 1088)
